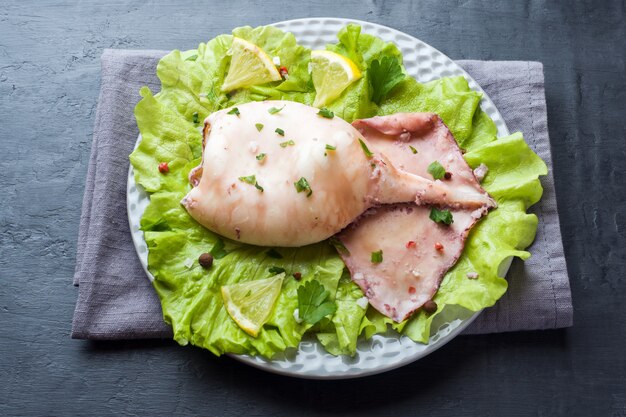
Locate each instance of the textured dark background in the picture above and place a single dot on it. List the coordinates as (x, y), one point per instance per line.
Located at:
(49, 81)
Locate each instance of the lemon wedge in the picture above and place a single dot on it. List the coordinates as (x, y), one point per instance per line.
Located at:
(250, 304)
(249, 66)
(332, 73)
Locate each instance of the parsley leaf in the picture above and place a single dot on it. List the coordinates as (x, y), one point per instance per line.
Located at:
(287, 143)
(251, 179)
(313, 302)
(260, 157)
(366, 150)
(259, 126)
(331, 148)
(436, 170)
(441, 216)
(234, 111)
(218, 251)
(377, 257)
(324, 112)
(384, 75)
(303, 185)
(274, 110)
(280, 131)
(413, 149)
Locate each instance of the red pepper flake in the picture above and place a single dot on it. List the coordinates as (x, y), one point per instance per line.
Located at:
(447, 175)
(410, 244)
(164, 168)
(297, 276)
(411, 290)
(283, 71)
(439, 246)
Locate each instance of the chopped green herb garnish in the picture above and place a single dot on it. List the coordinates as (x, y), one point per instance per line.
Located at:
(324, 112)
(276, 270)
(260, 157)
(195, 118)
(274, 110)
(218, 251)
(384, 75)
(234, 111)
(377, 257)
(248, 294)
(251, 179)
(314, 303)
(303, 185)
(272, 253)
(191, 57)
(338, 244)
(366, 150)
(436, 170)
(331, 148)
(288, 143)
(413, 149)
(441, 216)
(259, 126)
(280, 131)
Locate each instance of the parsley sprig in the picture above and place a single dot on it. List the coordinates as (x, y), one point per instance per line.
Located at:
(383, 76)
(314, 303)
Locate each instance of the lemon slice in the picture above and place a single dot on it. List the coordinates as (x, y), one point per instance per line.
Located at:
(249, 66)
(251, 303)
(331, 73)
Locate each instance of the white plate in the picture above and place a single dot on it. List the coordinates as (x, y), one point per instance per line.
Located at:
(382, 352)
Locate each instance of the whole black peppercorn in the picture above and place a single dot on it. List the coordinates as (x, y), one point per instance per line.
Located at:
(430, 306)
(205, 260)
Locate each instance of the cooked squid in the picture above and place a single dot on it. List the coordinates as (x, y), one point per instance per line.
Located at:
(416, 251)
(277, 173)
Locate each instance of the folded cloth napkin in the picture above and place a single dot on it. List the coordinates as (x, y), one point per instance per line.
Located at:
(115, 298)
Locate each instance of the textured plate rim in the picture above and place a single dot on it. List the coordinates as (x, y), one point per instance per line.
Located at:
(134, 215)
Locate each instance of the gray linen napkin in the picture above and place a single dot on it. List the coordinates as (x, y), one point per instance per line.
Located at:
(116, 300)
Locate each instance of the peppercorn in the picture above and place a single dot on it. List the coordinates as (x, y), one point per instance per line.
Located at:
(205, 260)
(164, 168)
(430, 306)
(297, 276)
(447, 175)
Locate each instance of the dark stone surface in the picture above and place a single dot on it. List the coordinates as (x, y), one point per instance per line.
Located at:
(49, 79)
